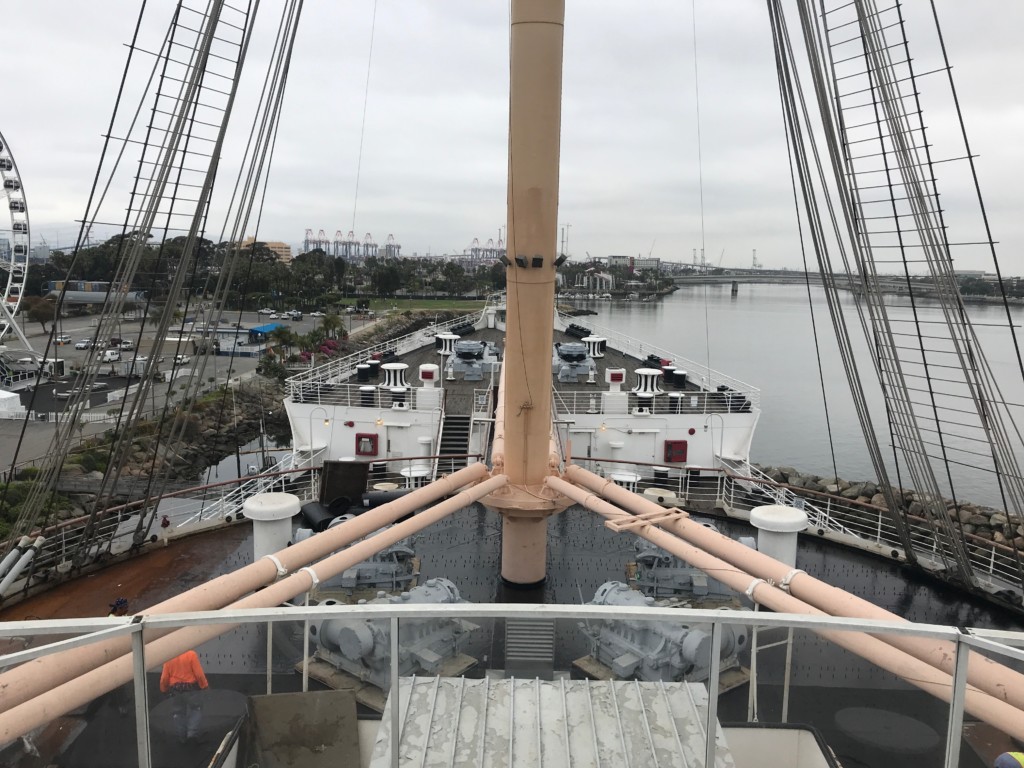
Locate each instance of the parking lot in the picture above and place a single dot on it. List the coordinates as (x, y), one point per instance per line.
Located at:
(36, 439)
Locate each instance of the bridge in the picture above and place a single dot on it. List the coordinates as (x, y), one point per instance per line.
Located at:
(887, 283)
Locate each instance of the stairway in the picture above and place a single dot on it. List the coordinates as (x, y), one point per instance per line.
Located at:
(530, 648)
(454, 442)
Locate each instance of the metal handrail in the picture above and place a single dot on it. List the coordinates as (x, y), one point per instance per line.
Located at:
(845, 521)
(344, 367)
(712, 378)
(86, 631)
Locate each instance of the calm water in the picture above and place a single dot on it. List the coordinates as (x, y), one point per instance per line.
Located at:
(764, 336)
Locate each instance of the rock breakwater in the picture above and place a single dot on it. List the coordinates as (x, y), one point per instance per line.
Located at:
(974, 520)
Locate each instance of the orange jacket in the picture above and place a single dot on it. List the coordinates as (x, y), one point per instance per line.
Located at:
(182, 670)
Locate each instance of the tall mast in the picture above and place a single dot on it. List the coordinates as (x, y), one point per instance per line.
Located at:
(535, 108)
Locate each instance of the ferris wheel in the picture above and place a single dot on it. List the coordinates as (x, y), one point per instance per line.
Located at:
(14, 239)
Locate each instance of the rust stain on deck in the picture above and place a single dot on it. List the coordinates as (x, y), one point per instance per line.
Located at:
(145, 580)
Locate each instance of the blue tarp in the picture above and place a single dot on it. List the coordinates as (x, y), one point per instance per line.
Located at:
(263, 330)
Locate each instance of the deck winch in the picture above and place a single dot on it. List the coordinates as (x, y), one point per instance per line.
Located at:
(656, 650)
(473, 359)
(661, 574)
(391, 568)
(363, 648)
(572, 360)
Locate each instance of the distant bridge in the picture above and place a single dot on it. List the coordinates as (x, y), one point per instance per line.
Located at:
(888, 284)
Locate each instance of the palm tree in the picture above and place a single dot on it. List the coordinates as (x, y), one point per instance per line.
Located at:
(332, 324)
(282, 337)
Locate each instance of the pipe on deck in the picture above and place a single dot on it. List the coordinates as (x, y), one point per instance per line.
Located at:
(22, 719)
(994, 711)
(14, 554)
(990, 676)
(34, 677)
(26, 557)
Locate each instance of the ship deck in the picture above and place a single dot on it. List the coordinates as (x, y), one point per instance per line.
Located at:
(571, 396)
(466, 548)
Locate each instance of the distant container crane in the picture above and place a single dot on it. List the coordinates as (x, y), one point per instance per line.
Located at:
(350, 247)
(311, 243)
(346, 246)
(369, 246)
(490, 251)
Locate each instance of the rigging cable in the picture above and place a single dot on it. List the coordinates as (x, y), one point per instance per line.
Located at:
(794, 105)
(269, 110)
(46, 478)
(176, 141)
(810, 300)
(362, 129)
(700, 189)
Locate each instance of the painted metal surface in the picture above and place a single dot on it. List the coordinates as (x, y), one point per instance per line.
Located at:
(512, 723)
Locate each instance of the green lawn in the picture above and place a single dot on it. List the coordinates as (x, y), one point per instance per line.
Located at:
(465, 305)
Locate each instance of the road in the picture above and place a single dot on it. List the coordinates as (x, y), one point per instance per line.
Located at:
(23, 444)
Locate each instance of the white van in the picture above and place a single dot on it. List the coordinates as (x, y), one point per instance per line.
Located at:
(110, 356)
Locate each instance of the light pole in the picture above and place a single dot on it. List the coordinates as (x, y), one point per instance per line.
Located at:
(327, 423)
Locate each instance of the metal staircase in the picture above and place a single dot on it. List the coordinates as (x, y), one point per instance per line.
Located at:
(454, 442)
(530, 648)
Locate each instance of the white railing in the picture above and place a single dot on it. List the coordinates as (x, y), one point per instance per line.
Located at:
(231, 503)
(438, 437)
(345, 367)
(665, 404)
(836, 515)
(39, 639)
(351, 396)
(818, 515)
(698, 372)
(735, 488)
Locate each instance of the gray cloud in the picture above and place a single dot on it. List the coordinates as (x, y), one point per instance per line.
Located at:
(434, 155)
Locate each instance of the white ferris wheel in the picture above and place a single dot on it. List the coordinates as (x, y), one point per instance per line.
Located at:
(14, 240)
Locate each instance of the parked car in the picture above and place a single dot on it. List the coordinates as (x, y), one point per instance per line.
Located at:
(295, 315)
(265, 311)
(62, 339)
(110, 356)
(182, 359)
(274, 316)
(127, 344)
(83, 344)
(318, 313)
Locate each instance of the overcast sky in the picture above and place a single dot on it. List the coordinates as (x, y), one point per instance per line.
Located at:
(434, 156)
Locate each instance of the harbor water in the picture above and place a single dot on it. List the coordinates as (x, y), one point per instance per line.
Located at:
(765, 337)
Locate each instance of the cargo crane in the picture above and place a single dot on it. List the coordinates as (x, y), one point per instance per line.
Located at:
(339, 244)
(369, 246)
(322, 241)
(391, 248)
(307, 241)
(350, 247)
